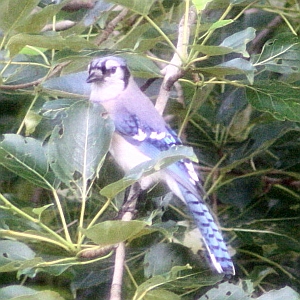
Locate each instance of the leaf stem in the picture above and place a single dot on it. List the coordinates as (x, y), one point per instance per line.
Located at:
(269, 262)
(100, 212)
(162, 34)
(31, 237)
(63, 220)
(27, 113)
(64, 244)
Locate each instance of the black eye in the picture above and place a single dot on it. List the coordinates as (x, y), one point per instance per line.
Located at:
(113, 70)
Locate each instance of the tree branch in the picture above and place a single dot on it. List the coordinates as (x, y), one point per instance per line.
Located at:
(128, 208)
(110, 27)
(53, 72)
(173, 71)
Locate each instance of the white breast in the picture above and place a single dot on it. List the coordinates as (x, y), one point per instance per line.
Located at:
(128, 156)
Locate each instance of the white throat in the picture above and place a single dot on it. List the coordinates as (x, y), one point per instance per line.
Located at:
(105, 91)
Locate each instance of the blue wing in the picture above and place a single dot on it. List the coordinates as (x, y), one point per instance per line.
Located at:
(151, 140)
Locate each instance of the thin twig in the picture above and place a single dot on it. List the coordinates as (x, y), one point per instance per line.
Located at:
(59, 26)
(173, 71)
(111, 27)
(75, 5)
(261, 37)
(128, 208)
(56, 70)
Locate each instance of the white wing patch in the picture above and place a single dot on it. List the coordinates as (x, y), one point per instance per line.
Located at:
(157, 136)
(193, 176)
(140, 136)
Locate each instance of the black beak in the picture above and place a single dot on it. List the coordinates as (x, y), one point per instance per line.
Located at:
(91, 78)
(94, 76)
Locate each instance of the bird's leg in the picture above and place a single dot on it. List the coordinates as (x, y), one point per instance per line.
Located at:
(131, 196)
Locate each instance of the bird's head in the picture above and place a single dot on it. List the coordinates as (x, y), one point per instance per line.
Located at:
(108, 71)
(109, 77)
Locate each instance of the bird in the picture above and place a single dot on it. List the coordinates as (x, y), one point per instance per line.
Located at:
(140, 135)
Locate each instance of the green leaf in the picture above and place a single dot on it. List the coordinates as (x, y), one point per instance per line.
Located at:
(16, 256)
(129, 41)
(153, 284)
(30, 235)
(142, 66)
(113, 232)
(71, 85)
(237, 1)
(140, 7)
(281, 54)
(161, 294)
(227, 291)
(277, 98)
(200, 4)
(35, 22)
(164, 159)
(24, 293)
(150, 38)
(283, 293)
(77, 148)
(26, 158)
(220, 24)
(23, 70)
(51, 40)
(240, 191)
(239, 40)
(213, 50)
(262, 136)
(232, 67)
(14, 250)
(148, 286)
(13, 13)
(39, 211)
(161, 258)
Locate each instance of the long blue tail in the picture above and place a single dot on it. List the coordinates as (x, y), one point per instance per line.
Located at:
(212, 237)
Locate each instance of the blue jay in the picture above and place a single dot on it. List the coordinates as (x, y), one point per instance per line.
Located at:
(140, 135)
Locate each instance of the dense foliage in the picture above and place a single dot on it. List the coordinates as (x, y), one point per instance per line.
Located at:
(236, 102)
